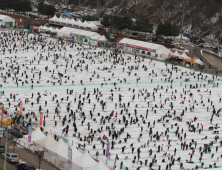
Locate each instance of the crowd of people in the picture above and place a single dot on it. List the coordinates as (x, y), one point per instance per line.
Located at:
(147, 112)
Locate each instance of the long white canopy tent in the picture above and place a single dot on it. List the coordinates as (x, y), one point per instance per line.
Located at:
(144, 48)
(85, 161)
(81, 35)
(86, 24)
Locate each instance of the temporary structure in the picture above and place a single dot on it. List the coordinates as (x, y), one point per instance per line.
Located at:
(163, 52)
(92, 26)
(184, 56)
(5, 119)
(58, 146)
(36, 135)
(198, 61)
(75, 153)
(176, 54)
(99, 166)
(84, 161)
(47, 141)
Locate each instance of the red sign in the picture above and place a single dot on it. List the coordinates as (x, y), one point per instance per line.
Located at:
(97, 41)
(41, 119)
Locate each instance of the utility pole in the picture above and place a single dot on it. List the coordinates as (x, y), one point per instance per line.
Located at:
(79, 4)
(6, 146)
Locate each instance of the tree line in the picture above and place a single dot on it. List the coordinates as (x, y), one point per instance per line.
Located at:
(17, 5)
(142, 25)
(46, 9)
(25, 5)
(125, 22)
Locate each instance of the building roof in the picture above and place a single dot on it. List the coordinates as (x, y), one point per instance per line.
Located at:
(3, 16)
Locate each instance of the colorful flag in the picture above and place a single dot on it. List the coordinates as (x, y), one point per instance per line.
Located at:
(30, 133)
(107, 150)
(169, 56)
(69, 158)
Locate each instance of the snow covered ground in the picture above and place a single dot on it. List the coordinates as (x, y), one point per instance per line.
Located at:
(153, 80)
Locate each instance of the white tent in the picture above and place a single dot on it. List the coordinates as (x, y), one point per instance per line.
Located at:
(36, 135)
(163, 52)
(56, 30)
(60, 19)
(97, 36)
(184, 56)
(54, 18)
(140, 43)
(176, 54)
(75, 153)
(79, 23)
(58, 147)
(103, 38)
(92, 26)
(62, 31)
(99, 166)
(6, 20)
(124, 41)
(47, 141)
(133, 42)
(84, 161)
(64, 21)
(198, 61)
(51, 29)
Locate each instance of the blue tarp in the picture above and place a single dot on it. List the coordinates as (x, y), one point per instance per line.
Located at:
(67, 14)
(77, 16)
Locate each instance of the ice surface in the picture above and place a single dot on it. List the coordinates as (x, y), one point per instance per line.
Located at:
(97, 62)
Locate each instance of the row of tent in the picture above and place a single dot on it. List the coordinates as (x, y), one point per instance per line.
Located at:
(60, 148)
(157, 50)
(67, 31)
(65, 21)
(49, 29)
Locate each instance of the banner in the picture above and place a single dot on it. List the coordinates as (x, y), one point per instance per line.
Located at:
(97, 41)
(70, 35)
(21, 106)
(30, 133)
(107, 150)
(69, 157)
(41, 119)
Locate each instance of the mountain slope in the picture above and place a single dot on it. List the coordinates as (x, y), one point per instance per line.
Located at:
(200, 16)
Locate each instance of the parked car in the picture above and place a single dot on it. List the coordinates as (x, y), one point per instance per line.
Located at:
(2, 148)
(135, 34)
(25, 166)
(142, 36)
(11, 157)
